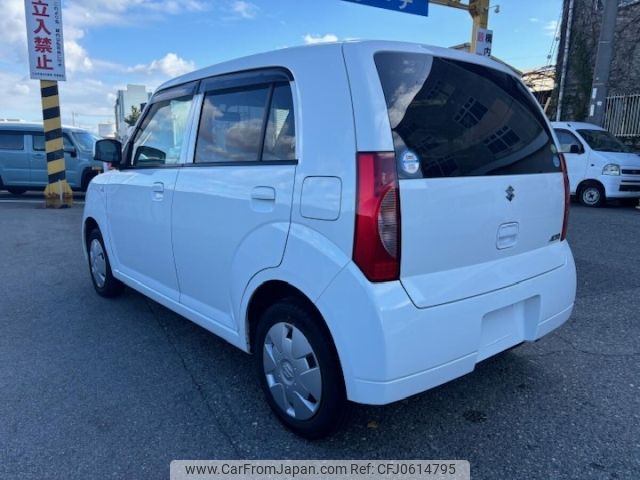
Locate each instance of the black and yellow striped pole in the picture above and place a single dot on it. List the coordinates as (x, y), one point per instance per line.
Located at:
(57, 194)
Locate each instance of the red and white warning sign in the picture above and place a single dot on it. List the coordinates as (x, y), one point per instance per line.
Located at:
(44, 39)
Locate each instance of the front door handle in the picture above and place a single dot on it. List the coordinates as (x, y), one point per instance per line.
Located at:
(158, 190)
(38, 155)
(264, 193)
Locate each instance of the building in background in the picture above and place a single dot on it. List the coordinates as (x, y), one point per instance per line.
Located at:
(107, 130)
(134, 96)
(541, 81)
(580, 37)
(465, 47)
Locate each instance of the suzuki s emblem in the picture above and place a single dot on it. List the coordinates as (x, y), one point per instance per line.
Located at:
(511, 193)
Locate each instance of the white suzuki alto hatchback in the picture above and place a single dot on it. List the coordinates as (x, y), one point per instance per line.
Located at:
(371, 219)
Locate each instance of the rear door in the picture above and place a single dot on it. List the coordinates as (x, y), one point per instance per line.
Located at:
(481, 186)
(232, 206)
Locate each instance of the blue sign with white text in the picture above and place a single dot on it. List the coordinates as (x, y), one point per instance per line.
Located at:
(416, 7)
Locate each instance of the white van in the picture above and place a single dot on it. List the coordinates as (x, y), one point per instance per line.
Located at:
(600, 166)
(371, 219)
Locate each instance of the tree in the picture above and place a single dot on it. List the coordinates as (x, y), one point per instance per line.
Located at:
(133, 116)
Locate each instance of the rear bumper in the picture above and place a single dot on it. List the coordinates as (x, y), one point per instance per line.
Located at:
(389, 349)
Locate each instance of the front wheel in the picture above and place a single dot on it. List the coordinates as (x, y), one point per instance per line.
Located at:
(299, 370)
(16, 191)
(105, 284)
(592, 195)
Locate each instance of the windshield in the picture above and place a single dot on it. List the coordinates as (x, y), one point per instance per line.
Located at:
(603, 141)
(85, 140)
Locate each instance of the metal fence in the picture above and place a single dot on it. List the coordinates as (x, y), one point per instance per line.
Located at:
(622, 115)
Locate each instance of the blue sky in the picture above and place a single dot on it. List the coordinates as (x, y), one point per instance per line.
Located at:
(109, 43)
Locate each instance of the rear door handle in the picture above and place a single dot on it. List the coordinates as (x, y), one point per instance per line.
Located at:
(38, 155)
(507, 235)
(158, 190)
(264, 193)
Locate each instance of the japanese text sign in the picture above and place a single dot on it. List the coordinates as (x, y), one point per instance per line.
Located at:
(44, 39)
(484, 42)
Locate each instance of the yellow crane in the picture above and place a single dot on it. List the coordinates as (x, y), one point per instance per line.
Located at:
(479, 11)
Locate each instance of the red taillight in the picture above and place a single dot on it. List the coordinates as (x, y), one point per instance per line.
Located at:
(377, 238)
(567, 199)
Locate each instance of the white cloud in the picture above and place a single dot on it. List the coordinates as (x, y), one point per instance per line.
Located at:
(244, 9)
(170, 65)
(310, 39)
(91, 82)
(534, 20)
(550, 28)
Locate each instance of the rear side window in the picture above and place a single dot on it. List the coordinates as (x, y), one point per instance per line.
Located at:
(455, 119)
(247, 124)
(11, 141)
(231, 126)
(280, 136)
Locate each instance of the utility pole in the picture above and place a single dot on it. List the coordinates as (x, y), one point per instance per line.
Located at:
(600, 86)
(565, 60)
(479, 11)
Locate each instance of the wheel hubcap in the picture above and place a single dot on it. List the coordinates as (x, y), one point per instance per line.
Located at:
(98, 263)
(292, 371)
(591, 196)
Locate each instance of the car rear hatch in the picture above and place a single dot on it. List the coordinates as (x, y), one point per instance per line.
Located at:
(481, 187)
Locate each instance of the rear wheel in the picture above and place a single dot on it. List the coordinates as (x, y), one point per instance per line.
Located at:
(592, 195)
(105, 284)
(16, 190)
(299, 370)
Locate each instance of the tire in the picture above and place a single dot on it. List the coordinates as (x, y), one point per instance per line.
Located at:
(296, 358)
(16, 190)
(592, 195)
(105, 284)
(87, 176)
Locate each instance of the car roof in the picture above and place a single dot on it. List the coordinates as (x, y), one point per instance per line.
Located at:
(576, 125)
(282, 58)
(29, 126)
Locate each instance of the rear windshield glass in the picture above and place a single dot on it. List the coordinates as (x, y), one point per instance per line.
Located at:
(455, 119)
(603, 141)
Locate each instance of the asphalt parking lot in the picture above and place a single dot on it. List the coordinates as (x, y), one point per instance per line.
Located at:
(96, 388)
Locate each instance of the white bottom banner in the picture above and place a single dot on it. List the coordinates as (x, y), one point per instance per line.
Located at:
(320, 469)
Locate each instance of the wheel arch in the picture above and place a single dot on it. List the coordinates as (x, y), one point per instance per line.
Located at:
(588, 182)
(268, 293)
(88, 225)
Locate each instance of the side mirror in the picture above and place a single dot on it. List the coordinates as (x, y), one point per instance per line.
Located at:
(108, 151)
(71, 151)
(575, 149)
